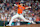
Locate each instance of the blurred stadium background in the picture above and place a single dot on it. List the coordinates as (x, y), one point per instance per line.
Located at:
(32, 14)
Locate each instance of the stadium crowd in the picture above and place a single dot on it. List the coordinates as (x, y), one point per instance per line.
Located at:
(32, 14)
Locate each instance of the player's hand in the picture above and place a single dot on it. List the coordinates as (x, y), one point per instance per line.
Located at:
(29, 6)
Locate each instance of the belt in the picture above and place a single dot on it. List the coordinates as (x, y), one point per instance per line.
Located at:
(19, 14)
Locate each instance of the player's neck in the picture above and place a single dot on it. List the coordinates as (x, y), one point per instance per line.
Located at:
(21, 5)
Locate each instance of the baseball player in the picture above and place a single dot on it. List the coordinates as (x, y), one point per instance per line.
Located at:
(19, 14)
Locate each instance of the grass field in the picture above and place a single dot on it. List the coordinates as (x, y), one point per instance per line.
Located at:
(1, 26)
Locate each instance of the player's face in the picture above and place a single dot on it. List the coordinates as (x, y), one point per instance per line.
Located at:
(21, 4)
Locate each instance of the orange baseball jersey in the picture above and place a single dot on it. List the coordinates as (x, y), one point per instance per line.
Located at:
(20, 9)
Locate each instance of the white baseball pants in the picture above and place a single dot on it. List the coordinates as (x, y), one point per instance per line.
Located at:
(20, 16)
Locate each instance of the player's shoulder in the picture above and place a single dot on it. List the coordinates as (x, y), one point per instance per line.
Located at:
(19, 5)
